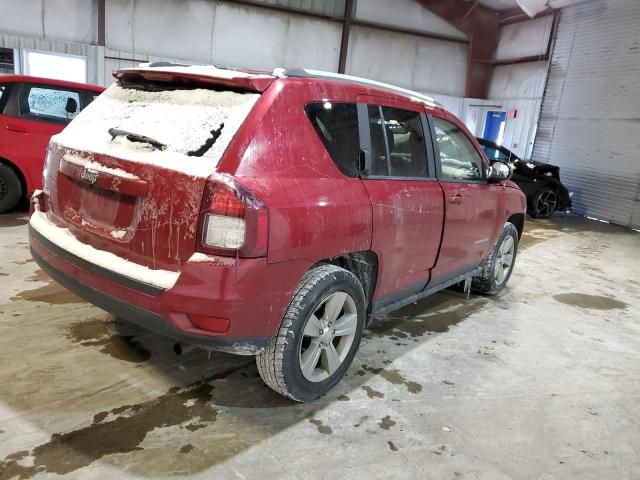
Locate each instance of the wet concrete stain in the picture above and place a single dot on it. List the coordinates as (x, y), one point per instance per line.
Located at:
(11, 468)
(52, 292)
(186, 448)
(322, 428)
(392, 446)
(13, 220)
(67, 452)
(440, 450)
(394, 377)
(40, 276)
(371, 393)
(528, 240)
(24, 262)
(434, 314)
(575, 224)
(590, 302)
(344, 398)
(386, 423)
(100, 333)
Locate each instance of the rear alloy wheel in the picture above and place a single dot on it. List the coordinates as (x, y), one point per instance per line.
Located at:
(318, 337)
(328, 336)
(10, 188)
(544, 203)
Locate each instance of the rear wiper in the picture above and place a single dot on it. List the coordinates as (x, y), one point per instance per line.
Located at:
(136, 137)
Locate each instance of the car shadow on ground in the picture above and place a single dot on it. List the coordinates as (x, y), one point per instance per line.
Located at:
(216, 395)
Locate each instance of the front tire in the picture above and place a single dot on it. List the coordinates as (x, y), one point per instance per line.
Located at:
(10, 188)
(319, 335)
(544, 203)
(499, 265)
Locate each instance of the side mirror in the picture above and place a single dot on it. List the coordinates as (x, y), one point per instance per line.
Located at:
(498, 171)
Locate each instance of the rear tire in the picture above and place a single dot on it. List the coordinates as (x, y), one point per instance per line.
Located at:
(10, 188)
(499, 265)
(319, 335)
(544, 203)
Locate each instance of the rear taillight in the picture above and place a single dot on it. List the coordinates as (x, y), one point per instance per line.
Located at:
(233, 222)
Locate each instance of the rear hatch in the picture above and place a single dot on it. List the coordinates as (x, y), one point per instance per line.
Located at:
(127, 175)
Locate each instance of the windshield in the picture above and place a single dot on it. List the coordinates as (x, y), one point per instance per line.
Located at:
(494, 154)
(194, 126)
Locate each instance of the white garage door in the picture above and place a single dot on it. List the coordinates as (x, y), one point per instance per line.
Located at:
(590, 119)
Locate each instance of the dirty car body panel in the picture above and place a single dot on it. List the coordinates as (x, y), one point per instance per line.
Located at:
(131, 235)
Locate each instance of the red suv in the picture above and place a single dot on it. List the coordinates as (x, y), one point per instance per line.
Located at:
(270, 215)
(31, 111)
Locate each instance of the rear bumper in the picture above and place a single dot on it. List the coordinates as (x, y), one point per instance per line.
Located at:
(251, 293)
(147, 319)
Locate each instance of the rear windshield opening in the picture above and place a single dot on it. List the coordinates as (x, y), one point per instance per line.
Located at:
(155, 125)
(138, 82)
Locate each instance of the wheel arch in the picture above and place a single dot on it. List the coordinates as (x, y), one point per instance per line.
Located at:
(364, 265)
(25, 180)
(517, 219)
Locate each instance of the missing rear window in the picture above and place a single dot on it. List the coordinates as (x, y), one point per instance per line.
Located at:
(184, 129)
(215, 133)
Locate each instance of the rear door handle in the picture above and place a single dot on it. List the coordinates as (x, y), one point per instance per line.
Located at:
(457, 198)
(15, 128)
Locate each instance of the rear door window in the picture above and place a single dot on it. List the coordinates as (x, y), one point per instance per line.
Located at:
(397, 143)
(459, 159)
(337, 126)
(49, 104)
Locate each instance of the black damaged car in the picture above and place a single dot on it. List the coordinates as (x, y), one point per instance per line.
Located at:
(540, 182)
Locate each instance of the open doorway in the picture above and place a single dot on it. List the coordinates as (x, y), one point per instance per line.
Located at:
(7, 65)
(494, 126)
(59, 66)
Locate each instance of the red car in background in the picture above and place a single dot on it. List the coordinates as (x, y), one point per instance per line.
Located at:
(31, 111)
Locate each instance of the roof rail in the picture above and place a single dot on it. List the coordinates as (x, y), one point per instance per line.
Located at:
(164, 64)
(306, 73)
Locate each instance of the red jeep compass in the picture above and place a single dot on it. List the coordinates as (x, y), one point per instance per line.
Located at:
(31, 110)
(270, 215)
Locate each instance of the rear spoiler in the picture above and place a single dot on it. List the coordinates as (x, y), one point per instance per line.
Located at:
(209, 76)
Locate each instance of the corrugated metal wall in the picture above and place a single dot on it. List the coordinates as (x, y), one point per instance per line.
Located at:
(590, 119)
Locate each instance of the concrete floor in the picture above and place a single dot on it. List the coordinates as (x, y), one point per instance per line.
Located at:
(542, 382)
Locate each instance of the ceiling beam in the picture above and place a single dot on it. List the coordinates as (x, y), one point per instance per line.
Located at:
(515, 15)
(481, 24)
(346, 32)
(101, 23)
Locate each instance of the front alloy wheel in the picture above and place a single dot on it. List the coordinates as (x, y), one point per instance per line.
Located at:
(545, 203)
(504, 260)
(498, 266)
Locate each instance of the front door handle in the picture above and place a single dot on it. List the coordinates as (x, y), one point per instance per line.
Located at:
(15, 128)
(457, 198)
